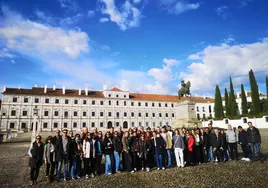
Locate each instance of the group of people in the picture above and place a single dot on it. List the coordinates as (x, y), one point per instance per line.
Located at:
(137, 149)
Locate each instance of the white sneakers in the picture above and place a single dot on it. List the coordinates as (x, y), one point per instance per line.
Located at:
(245, 159)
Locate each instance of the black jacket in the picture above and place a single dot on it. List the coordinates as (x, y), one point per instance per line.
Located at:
(243, 137)
(117, 145)
(108, 146)
(254, 135)
(37, 153)
(160, 145)
(59, 149)
(144, 147)
(132, 143)
(217, 141)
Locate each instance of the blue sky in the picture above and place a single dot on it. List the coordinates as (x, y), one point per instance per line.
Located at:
(137, 45)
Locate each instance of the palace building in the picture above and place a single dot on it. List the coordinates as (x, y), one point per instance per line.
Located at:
(54, 108)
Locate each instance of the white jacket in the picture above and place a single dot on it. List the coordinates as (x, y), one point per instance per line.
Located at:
(87, 149)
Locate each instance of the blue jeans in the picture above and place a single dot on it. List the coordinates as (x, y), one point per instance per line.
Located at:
(159, 160)
(74, 167)
(210, 154)
(169, 157)
(65, 161)
(108, 164)
(254, 147)
(117, 161)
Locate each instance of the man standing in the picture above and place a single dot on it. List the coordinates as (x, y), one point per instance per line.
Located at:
(54, 141)
(243, 141)
(232, 142)
(168, 141)
(217, 144)
(254, 140)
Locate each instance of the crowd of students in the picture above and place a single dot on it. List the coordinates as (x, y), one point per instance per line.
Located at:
(81, 155)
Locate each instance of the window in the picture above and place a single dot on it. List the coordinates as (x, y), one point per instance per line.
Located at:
(110, 103)
(26, 100)
(172, 105)
(15, 99)
(209, 108)
(12, 125)
(66, 101)
(13, 112)
(166, 105)
(146, 104)
(152, 104)
(117, 103)
(46, 100)
(23, 125)
(125, 96)
(93, 114)
(116, 96)
(36, 100)
(140, 124)
(65, 125)
(84, 124)
(198, 116)
(109, 95)
(147, 124)
(139, 104)
(75, 113)
(132, 114)
(117, 114)
(146, 114)
(101, 114)
(24, 113)
(132, 103)
(266, 119)
(66, 114)
(75, 101)
(160, 124)
(101, 124)
(197, 109)
(93, 102)
(93, 124)
(139, 114)
(125, 114)
(55, 125)
(226, 121)
(117, 124)
(84, 101)
(173, 115)
(45, 125)
(56, 113)
(74, 124)
(101, 103)
(166, 114)
(160, 115)
(84, 114)
(57, 101)
(125, 103)
(133, 124)
(204, 116)
(46, 113)
(109, 114)
(159, 104)
(203, 109)
(153, 114)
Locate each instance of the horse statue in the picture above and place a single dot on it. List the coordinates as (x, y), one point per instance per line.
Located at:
(184, 90)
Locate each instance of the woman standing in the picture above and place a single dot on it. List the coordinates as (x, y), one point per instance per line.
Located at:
(127, 158)
(143, 149)
(133, 141)
(109, 151)
(50, 159)
(117, 151)
(190, 148)
(89, 150)
(77, 153)
(159, 150)
(99, 145)
(36, 153)
(197, 148)
(179, 146)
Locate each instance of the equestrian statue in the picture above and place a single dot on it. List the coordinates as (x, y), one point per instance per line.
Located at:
(184, 90)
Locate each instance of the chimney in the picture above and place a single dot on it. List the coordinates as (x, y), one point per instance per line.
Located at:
(54, 87)
(79, 92)
(86, 91)
(63, 90)
(5, 88)
(45, 88)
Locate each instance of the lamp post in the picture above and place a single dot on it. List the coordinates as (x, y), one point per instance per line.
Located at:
(35, 115)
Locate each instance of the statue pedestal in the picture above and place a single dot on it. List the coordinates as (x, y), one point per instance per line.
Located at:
(185, 111)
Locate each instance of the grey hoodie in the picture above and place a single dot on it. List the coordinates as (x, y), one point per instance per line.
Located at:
(231, 136)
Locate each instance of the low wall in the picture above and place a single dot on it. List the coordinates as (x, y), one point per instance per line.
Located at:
(261, 123)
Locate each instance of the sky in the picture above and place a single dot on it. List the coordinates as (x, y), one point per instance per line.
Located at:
(145, 46)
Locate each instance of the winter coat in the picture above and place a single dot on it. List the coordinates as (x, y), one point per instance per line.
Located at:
(59, 149)
(168, 140)
(125, 143)
(217, 141)
(143, 148)
(117, 145)
(178, 141)
(243, 137)
(36, 154)
(132, 142)
(108, 146)
(88, 150)
(190, 143)
(159, 145)
(254, 135)
(47, 153)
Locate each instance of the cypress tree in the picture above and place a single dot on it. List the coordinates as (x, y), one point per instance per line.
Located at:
(218, 108)
(267, 86)
(244, 103)
(231, 101)
(227, 109)
(255, 96)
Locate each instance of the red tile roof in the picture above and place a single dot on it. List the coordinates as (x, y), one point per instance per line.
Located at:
(116, 89)
(99, 94)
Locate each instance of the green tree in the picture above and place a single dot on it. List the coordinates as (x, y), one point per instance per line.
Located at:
(218, 108)
(267, 86)
(255, 96)
(244, 103)
(227, 109)
(231, 101)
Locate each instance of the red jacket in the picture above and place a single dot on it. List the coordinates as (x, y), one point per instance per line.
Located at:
(190, 143)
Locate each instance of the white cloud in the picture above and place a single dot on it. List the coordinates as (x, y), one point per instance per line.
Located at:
(136, 1)
(90, 13)
(26, 35)
(217, 63)
(71, 20)
(181, 7)
(103, 20)
(69, 5)
(221, 11)
(229, 40)
(5, 53)
(127, 16)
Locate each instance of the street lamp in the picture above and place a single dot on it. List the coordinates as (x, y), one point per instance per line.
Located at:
(35, 116)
